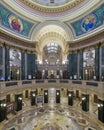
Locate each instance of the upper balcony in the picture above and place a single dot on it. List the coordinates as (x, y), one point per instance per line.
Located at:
(84, 85)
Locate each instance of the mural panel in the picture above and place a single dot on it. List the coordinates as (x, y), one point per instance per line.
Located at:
(14, 23)
(90, 22)
(89, 58)
(15, 58)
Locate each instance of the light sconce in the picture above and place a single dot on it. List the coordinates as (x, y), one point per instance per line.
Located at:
(19, 98)
(57, 93)
(101, 105)
(83, 98)
(45, 93)
(33, 94)
(70, 95)
(80, 77)
(17, 71)
(98, 105)
(71, 77)
(3, 105)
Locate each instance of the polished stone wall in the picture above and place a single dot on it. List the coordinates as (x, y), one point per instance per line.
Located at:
(97, 63)
(102, 62)
(72, 66)
(75, 64)
(81, 65)
(31, 65)
(1, 60)
(7, 64)
(23, 65)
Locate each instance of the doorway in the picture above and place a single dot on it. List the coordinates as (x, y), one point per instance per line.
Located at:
(88, 73)
(15, 73)
(52, 95)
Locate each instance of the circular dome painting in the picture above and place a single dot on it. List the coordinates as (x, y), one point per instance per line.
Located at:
(89, 23)
(51, 2)
(15, 23)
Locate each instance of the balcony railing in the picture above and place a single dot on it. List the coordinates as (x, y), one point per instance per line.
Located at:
(84, 84)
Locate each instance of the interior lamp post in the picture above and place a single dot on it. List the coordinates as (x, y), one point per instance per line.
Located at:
(101, 110)
(70, 95)
(57, 96)
(2, 111)
(45, 93)
(33, 98)
(85, 102)
(33, 94)
(57, 93)
(70, 98)
(45, 96)
(19, 98)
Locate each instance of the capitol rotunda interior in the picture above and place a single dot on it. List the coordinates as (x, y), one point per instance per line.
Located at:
(51, 65)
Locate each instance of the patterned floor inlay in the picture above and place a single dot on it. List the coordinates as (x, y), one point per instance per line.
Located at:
(52, 118)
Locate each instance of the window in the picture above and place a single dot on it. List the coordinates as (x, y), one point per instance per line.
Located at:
(89, 58)
(52, 47)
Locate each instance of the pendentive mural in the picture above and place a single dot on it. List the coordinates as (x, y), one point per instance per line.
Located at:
(15, 23)
(10, 21)
(90, 22)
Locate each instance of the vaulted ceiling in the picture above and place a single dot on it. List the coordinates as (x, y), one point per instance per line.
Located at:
(43, 21)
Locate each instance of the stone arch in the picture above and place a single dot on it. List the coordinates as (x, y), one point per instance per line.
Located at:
(59, 24)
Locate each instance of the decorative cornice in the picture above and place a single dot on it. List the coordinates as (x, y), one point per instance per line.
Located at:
(11, 41)
(98, 38)
(47, 9)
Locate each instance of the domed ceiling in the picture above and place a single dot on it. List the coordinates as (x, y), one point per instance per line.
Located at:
(41, 21)
(25, 18)
(52, 9)
(51, 2)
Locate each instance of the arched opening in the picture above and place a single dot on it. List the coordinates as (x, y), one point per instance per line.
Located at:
(52, 42)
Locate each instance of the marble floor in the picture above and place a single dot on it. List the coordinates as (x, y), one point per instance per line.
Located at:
(52, 117)
(52, 121)
(58, 118)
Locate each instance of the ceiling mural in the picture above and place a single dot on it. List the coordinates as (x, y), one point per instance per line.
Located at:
(15, 23)
(51, 2)
(41, 10)
(10, 21)
(50, 6)
(90, 22)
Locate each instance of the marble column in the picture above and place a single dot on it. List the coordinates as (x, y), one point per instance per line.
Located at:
(31, 65)
(1, 63)
(78, 61)
(102, 63)
(34, 65)
(23, 65)
(72, 66)
(70, 98)
(33, 98)
(85, 102)
(98, 62)
(2, 109)
(18, 102)
(57, 96)
(7, 64)
(101, 109)
(81, 65)
(45, 96)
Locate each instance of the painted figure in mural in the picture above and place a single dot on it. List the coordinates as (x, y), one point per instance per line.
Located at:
(89, 23)
(15, 24)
